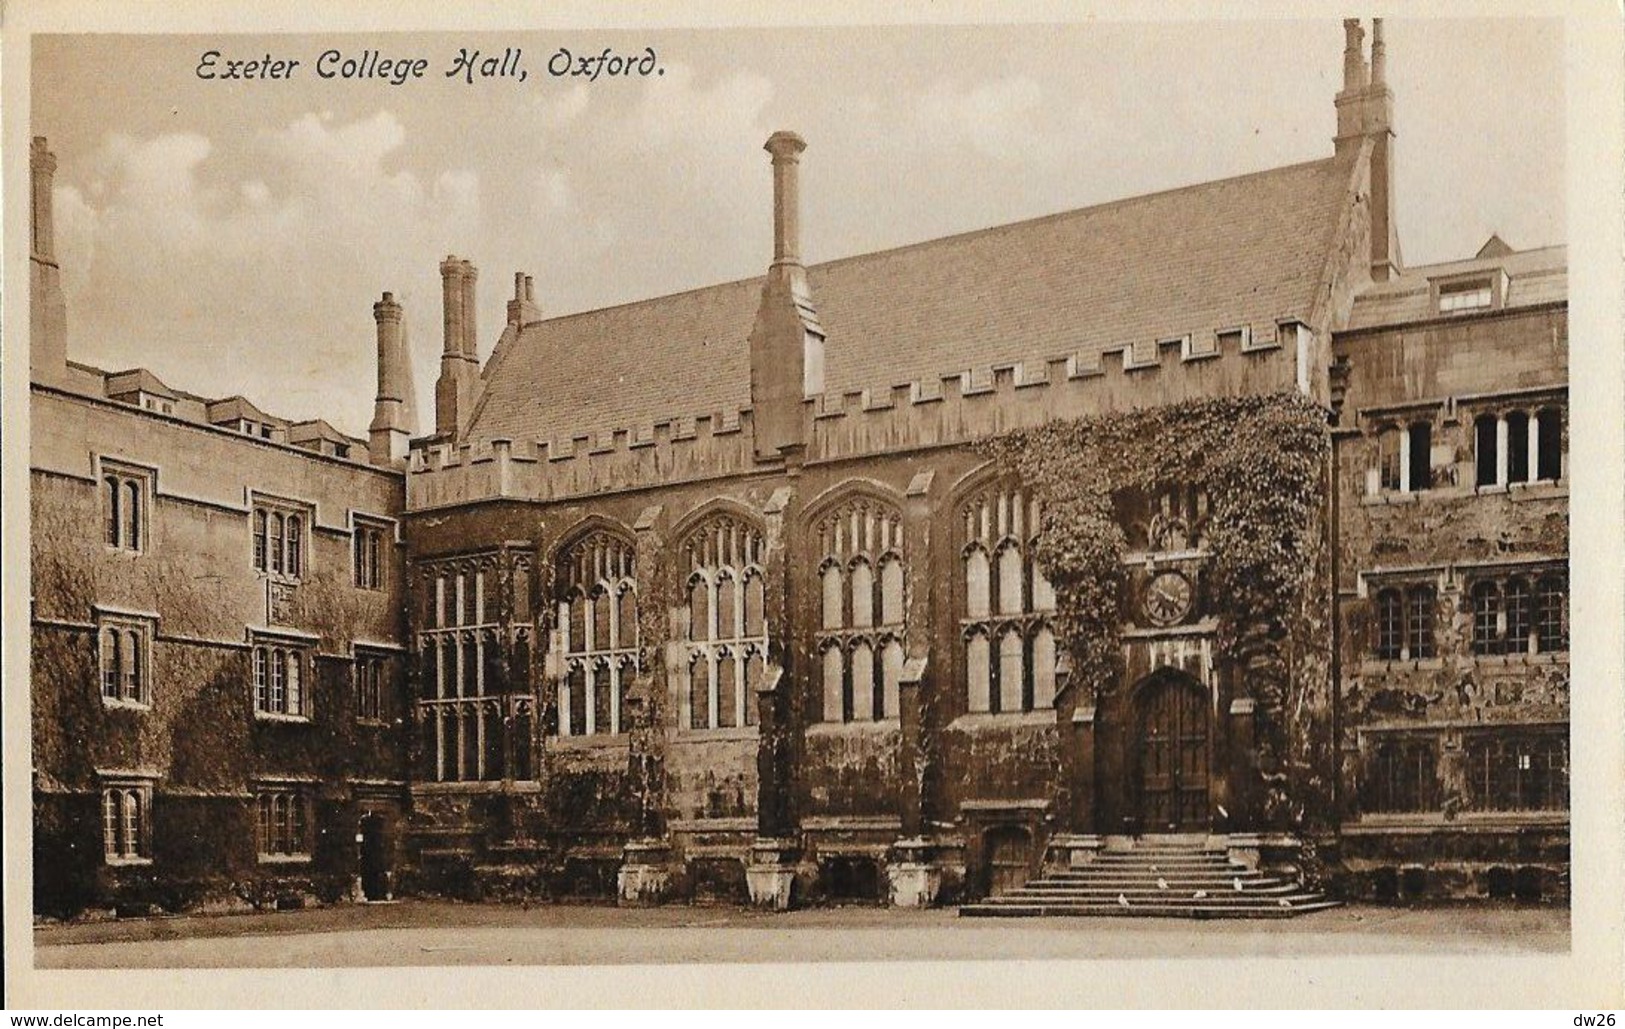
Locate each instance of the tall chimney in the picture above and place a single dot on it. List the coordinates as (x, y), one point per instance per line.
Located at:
(1365, 112)
(1379, 55)
(786, 148)
(392, 422)
(471, 336)
(459, 368)
(47, 307)
(451, 304)
(787, 342)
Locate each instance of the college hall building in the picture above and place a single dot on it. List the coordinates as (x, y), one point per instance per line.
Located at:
(767, 621)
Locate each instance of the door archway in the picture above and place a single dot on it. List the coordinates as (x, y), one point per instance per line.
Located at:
(1173, 754)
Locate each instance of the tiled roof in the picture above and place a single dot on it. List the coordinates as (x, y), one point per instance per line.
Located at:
(1247, 250)
(1534, 277)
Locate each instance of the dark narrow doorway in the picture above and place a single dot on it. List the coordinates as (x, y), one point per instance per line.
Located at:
(375, 863)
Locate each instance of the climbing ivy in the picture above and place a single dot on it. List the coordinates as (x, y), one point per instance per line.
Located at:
(1260, 459)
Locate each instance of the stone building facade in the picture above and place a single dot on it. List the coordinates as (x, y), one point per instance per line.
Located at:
(764, 620)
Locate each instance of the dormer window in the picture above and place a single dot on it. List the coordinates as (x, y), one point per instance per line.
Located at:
(1465, 296)
(1466, 293)
(159, 404)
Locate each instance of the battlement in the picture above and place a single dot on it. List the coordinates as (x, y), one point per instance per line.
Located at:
(981, 402)
(971, 404)
(674, 450)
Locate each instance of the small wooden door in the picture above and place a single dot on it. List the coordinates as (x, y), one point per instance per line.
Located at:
(1174, 757)
(1009, 859)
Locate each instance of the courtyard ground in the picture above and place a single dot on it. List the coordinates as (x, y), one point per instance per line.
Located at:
(418, 933)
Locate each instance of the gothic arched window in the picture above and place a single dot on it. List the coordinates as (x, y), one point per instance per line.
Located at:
(598, 631)
(861, 635)
(1004, 602)
(726, 635)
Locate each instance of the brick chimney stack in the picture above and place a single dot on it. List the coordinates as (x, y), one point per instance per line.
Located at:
(459, 361)
(1365, 111)
(787, 342)
(523, 307)
(47, 307)
(393, 419)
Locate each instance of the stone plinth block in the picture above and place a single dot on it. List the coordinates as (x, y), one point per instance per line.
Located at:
(771, 874)
(646, 873)
(1073, 850)
(913, 875)
(914, 885)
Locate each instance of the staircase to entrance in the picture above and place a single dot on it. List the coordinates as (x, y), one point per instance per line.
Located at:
(1166, 877)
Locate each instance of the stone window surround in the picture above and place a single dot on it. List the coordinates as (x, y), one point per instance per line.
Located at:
(126, 473)
(301, 550)
(299, 647)
(362, 524)
(1458, 577)
(130, 791)
(858, 564)
(297, 799)
(1452, 739)
(1458, 413)
(988, 528)
(145, 625)
(378, 664)
(600, 664)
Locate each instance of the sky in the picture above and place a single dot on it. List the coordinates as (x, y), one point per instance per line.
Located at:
(232, 236)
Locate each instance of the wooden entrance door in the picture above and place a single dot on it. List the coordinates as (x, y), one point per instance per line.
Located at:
(1174, 758)
(1009, 859)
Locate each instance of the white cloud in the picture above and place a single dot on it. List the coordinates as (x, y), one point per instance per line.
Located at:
(1001, 119)
(324, 208)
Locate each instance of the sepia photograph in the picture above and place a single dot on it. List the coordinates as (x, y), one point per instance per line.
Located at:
(656, 493)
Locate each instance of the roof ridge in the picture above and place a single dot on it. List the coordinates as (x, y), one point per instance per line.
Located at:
(1021, 223)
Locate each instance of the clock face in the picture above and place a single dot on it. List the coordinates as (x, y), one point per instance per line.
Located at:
(1167, 598)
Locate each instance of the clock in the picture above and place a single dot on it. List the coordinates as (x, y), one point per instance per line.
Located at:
(1167, 598)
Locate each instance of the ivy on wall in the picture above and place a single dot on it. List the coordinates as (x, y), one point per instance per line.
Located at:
(1261, 460)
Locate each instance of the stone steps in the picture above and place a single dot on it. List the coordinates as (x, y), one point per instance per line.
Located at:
(1157, 881)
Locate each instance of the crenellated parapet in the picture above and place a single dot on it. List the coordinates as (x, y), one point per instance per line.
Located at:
(981, 402)
(971, 404)
(675, 450)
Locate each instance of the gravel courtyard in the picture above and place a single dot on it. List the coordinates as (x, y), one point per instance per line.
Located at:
(419, 933)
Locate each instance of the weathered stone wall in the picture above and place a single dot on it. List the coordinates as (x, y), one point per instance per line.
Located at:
(198, 742)
(1446, 534)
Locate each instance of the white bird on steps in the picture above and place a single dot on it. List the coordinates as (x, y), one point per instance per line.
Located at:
(1199, 894)
(1237, 882)
(1162, 884)
(1122, 901)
